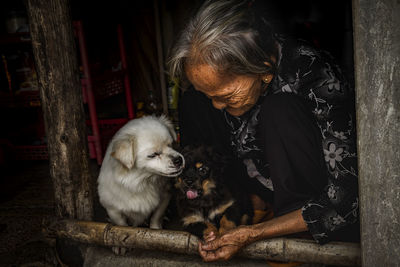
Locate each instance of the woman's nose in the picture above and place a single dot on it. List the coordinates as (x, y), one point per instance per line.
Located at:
(218, 104)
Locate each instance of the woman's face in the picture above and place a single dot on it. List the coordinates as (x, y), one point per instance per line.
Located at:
(235, 93)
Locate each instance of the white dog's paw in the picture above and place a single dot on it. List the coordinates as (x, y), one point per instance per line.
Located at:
(120, 251)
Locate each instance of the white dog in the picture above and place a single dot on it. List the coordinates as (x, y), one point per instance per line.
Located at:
(132, 184)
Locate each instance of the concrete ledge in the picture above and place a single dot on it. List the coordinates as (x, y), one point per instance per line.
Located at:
(101, 256)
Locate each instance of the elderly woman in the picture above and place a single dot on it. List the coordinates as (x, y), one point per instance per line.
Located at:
(285, 112)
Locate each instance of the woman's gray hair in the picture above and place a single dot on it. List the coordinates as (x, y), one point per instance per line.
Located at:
(228, 35)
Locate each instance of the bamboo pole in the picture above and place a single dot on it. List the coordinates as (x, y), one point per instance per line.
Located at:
(281, 249)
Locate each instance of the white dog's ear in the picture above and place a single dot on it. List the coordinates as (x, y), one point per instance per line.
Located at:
(124, 151)
(164, 119)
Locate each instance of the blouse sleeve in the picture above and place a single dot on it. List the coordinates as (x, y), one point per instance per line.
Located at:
(307, 171)
(336, 209)
(292, 147)
(315, 77)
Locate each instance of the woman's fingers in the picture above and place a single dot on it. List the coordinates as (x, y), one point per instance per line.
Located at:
(212, 245)
(223, 247)
(206, 255)
(222, 253)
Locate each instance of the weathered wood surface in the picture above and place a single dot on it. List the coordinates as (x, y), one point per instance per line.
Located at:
(61, 98)
(282, 249)
(377, 64)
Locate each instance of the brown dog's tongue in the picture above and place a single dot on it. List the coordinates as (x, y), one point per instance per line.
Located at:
(191, 194)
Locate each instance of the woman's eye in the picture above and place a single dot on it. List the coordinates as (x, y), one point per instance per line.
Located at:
(154, 155)
(221, 99)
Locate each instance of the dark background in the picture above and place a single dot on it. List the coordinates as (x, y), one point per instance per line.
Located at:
(327, 24)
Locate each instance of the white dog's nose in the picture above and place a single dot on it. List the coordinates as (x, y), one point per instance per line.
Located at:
(177, 161)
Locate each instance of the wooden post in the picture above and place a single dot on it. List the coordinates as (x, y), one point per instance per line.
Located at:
(61, 98)
(377, 68)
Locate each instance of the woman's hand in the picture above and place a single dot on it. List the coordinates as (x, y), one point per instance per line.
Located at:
(225, 246)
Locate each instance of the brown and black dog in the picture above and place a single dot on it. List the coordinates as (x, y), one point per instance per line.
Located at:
(206, 198)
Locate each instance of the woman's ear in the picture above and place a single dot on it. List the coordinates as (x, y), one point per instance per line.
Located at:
(267, 78)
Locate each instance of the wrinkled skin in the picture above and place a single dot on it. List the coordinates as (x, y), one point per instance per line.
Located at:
(226, 246)
(235, 93)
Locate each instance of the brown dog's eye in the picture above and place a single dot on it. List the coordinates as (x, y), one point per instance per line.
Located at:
(203, 170)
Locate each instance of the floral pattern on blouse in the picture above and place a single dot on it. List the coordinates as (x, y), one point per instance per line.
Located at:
(313, 75)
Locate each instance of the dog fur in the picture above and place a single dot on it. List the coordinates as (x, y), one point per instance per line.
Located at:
(132, 183)
(207, 197)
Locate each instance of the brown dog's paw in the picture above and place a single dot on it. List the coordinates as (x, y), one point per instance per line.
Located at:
(210, 232)
(226, 225)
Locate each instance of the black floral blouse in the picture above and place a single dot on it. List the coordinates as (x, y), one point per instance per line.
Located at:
(307, 81)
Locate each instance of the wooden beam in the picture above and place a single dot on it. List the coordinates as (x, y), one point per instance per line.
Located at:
(377, 61)
(281, 249)
(61, 98)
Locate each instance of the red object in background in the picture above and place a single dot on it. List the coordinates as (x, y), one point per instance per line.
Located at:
(88, 90)
(107, 128)
(93, 88)
(104, 87)
(127, 82)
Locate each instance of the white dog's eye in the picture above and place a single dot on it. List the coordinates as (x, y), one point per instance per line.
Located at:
(155, 154)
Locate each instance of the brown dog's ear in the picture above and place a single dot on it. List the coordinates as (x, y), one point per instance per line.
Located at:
(186, 149)
(216, 156)
(123, 150)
